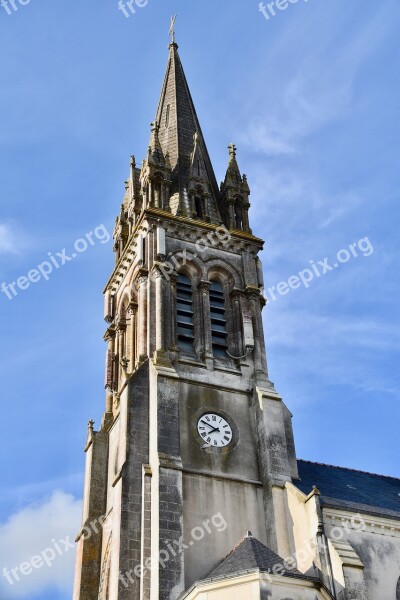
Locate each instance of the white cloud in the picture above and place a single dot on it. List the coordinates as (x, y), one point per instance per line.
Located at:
(8, 242)
(30, 532)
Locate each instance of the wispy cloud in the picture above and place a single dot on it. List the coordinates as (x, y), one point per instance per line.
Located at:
(320, 91)
(340, 206)
(340, 349)
(23, 495)
(340, 332)
(8, 239)
(31, 531)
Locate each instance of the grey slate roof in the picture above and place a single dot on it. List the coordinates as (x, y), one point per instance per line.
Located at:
(250, 554)
(351, 489)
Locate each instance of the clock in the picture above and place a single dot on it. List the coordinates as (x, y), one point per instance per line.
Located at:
(214, 430)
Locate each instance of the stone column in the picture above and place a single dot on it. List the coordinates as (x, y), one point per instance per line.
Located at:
(256, 302)
(236, 296)
(120, 343)
(172, 330)
(145, 581)
(245, 214)
(132, 311)
(150, 192)
(141, 285)
(207, 216)
(110, 376)
(145, 196)
(157, 194)
(205, 322)
(121, 328)
(192, 206)
(231, 215)
(157, 275)
(166, 205)
(163, 195)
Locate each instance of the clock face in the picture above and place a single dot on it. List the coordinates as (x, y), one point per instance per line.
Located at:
(214, 430)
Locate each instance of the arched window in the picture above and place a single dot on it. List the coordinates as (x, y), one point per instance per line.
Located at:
(218, 322)
(184, 314)
(198, 207)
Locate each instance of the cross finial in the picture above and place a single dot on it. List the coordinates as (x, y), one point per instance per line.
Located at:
(232, 150)
(155, 126)
(172, 29)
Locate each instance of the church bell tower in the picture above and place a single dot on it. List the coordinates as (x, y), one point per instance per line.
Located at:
(195, 445)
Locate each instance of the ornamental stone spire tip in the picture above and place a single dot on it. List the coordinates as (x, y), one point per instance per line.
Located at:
(172, 29)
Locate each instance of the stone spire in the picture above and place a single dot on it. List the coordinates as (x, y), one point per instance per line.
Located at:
(155, 153)
(233, 167)
(179, 135)
(235, 193)
(155, 175)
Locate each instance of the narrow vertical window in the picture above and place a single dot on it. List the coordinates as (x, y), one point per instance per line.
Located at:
(238, 217)
(144, 250)
(167, 116)
(218, 322)
(198, 208)
(184, 316)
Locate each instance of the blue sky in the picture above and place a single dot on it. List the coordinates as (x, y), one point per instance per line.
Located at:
(310, 97)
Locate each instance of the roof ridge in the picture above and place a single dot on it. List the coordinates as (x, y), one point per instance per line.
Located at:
(312, 462)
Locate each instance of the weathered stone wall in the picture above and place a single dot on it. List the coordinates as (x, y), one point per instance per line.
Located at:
(378, 549)
(239, 505)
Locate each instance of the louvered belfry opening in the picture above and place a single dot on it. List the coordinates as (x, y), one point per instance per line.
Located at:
(184, 306)
(218, 322)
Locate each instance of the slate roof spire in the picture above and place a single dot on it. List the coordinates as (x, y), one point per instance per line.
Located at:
(180, 137)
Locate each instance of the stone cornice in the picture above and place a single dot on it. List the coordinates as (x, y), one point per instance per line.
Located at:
(186, 229)
(381, 525)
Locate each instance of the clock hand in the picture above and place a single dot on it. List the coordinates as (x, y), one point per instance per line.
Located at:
(212, 428)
